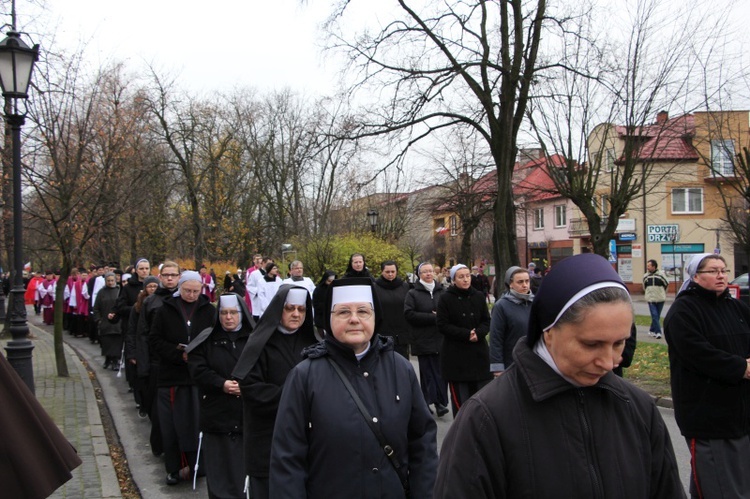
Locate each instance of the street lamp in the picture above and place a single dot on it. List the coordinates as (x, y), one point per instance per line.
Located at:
(16, 64)
(372, 217)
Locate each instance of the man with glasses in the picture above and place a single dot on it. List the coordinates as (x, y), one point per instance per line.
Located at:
(708, 334)
(655, 284)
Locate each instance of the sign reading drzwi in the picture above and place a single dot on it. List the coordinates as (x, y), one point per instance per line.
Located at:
(662, 233)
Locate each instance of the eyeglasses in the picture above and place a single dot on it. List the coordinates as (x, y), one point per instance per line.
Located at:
(345, 314)
(170, 275)
(225, 313)
(291, 308)
(714, 272)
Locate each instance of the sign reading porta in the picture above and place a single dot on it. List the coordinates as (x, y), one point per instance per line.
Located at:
(662, 233)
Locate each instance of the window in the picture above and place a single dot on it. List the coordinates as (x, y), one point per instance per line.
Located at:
(539, 218)
(609, 160)
(722, 158)
(687, 200)
(454, 225)
(560, 216)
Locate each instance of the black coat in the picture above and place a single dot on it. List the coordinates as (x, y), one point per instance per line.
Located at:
(419, 311)
(709, 340)
(323, 447)
(170, 329)
(145, 319)
(105, 303)
(392, 295)
(127, 298)
(530, 433)
(458, 312)
(211, 360)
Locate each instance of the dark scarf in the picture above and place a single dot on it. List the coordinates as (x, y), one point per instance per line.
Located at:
(386, 284)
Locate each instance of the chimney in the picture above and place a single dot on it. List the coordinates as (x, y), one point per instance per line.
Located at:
(662, 117)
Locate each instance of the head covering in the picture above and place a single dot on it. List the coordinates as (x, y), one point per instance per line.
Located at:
(267, 326)
(230, 301)
(691, 267)
(124, 277)
(512, 270)
(325, 276)
(188, 275)
(456, 268)
(247, 323)
(297, 296)
(139, 260)
(350, 272)
(150, 279)
(352, 289)
(569, 281)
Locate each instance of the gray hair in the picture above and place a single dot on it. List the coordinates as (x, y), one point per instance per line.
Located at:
(576, 312)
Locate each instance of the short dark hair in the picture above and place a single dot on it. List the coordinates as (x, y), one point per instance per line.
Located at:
(653, 262)
(388, 262)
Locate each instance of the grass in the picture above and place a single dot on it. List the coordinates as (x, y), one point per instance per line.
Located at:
(650, 367)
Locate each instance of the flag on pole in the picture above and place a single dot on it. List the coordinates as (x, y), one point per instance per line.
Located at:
(27, 267)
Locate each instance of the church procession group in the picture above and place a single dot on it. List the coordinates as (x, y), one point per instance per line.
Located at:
(288, 388)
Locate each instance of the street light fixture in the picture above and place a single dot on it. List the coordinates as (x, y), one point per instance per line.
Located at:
(372, 217)
(16, 64)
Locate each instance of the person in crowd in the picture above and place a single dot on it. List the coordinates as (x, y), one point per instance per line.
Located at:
(212, 356)
(655, 284)
(136, 349)
(536, 279)
(82, 311)
(93, 286)
(391, 292)
(275, 347)
(437, 273)
(420, 311)
(70, 302)
(296, 277)
(209, 284)
(110, 332)
(464, 321)
(169, 275)
(254, 284)
(558, 423)
(31, 297)
(357, 266)
(708, 335)
(319, 301)
(126, 300)
(446, 277)
(233, 284)
(352, 372)
(267, 287)
(510, 319)
(257, 264)
(628, 352)
(180, 319)
(47, 290)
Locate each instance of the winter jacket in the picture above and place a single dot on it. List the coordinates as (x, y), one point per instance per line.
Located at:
(323, 447)
(709, 339)
(169, 330)
(419, 310)
(210, 363)
(531, 434)
(126, 300)
(150, 305)
(510, 320)
(392, 295)
(458, 312)
(655, 285)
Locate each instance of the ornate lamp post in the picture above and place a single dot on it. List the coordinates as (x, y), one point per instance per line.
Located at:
(372, 217)
(16, 64)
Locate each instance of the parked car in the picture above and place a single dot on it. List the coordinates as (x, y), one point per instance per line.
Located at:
(742, 282)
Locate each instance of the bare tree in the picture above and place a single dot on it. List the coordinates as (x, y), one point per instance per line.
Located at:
(467, 64)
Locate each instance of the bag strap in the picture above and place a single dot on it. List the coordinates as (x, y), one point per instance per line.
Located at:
(371, 422)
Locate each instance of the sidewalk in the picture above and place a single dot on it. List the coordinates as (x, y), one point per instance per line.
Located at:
(72, 404)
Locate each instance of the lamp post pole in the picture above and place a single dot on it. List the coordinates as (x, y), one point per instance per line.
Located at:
(20, 347)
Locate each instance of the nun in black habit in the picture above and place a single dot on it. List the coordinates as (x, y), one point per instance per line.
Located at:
(274, 348)
(212, 356)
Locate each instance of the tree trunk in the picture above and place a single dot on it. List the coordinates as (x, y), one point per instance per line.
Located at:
(60, 362)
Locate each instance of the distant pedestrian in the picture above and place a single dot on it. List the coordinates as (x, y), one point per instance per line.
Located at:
(655, 284)
(510, 319)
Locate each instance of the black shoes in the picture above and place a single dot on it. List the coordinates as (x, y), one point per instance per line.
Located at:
(441, 410)
(173, 478)
(107, 363)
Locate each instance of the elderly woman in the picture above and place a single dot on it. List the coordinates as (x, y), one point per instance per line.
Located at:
(708, 333)
(464, 321)
(558, 423)
(212, 356)
(181, 318)
(325, 446)
(110, 333)
(510, 319)
(273, 350)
